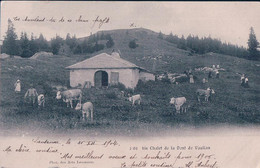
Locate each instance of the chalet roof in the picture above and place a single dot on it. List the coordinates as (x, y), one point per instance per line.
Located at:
(104, 61)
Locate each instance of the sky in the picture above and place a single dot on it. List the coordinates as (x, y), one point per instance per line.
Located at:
(227, 21)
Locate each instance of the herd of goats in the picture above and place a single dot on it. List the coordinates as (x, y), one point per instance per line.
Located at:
(68, 96)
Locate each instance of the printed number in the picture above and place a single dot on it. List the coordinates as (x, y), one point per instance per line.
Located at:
(133, 148)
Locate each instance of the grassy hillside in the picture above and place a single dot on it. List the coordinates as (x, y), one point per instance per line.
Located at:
(232, 104)
(149, 47)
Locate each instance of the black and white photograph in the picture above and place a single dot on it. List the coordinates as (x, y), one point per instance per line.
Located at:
(126, 84)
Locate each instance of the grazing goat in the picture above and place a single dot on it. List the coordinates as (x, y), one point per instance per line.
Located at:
(87, 110)
(206, 93)
(135, 98)
(178, 102)
(41, 100)
(69, 95)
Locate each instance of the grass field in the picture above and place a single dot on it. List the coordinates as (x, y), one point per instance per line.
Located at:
(231, 105)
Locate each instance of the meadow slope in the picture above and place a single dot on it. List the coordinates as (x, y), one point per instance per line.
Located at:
(232, 104)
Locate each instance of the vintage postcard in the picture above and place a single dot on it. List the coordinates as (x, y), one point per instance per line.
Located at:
(129, 84)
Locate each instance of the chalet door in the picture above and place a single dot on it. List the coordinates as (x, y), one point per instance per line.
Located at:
(104, 79)
(101, 79)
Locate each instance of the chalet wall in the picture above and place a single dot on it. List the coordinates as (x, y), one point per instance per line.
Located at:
(126, 76)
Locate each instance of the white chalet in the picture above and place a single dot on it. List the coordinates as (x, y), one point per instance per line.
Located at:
(105, 70)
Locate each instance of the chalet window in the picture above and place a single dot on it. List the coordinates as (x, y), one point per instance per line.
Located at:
(114, 78)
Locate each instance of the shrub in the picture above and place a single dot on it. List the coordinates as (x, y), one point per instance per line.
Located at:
(166, 80)
(182, 79)
(111, 95)
(145, 87)
(120, 86)
(129, 91)
(140, 85)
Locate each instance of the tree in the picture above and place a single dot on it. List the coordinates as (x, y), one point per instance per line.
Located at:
(132, 44)
(78, 49)
(68, 39)
(74, 43)
(172, 38)
(102, 36)
(98, 47)
(110, 43)
(182, 43)
(10, 44)
(87, 47)
(64, 50)
(92, 38)
(160, 35)
(25, 46)
(56, 44)
(42, 44)
(33, 45)
(71, 42)
(252, 45)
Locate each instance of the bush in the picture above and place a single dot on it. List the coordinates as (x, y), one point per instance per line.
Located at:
(129, 91)
(111, 95)
(120, 86)
(166, 80)
(183, 79)
(145, 87)
(140, 85)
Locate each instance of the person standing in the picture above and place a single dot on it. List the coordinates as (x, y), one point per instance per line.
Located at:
(191, 79)
(242, 79)
(31, 95)
(210, 75)
(190, 71)
(204, 80)
(17, 86)
(246, 83)
(217, 74)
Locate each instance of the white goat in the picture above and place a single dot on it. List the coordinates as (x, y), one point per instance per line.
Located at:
(206, 93)
(178, 102)
(41, 100)
(87, 110)
(135, 98)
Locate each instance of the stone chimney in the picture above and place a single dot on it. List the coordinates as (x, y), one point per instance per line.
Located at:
(115, 54)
